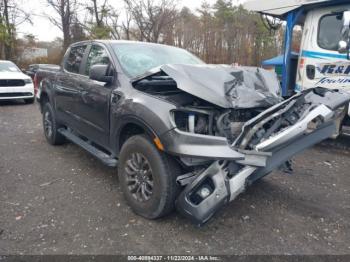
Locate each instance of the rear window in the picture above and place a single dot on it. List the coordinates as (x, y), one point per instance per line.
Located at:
(33, 68)
(329, 32)
(73, 61)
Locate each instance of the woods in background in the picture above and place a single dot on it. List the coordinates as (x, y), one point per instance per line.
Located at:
(220, 33)
(11, 16)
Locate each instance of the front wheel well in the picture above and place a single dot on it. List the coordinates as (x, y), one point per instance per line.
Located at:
(129, 130)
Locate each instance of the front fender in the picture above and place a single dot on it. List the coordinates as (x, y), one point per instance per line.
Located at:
(150, 113)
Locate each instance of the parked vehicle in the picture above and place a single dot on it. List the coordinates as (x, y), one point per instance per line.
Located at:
(180, 131)
(14, 84)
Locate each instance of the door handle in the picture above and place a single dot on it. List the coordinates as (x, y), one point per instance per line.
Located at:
(310, 71)
(84, 96)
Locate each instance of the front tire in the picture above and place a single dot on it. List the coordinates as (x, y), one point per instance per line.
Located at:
(51, 127)
(148, 178)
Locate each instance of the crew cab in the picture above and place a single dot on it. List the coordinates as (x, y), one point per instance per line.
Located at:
(14, 84)
(182, 133)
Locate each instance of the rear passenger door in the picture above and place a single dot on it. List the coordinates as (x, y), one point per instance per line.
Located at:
(94, 102)
(66, 86)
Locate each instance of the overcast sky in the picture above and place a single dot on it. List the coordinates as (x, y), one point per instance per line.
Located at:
(45, 31)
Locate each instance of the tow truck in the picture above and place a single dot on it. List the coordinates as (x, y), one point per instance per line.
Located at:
(323, 59)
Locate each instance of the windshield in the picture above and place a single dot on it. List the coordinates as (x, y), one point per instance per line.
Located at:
(8, 67)
(137, 58)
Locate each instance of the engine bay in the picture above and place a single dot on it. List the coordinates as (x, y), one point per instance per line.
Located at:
(197, 116)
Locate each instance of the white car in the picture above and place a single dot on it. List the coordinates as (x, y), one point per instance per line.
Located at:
(14, 84)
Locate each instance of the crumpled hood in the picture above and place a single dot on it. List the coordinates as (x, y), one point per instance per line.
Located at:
(226, 86)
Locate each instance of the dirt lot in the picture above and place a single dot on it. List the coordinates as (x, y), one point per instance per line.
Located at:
(60, 200)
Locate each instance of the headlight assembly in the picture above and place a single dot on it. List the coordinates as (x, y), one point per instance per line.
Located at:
(193, 121)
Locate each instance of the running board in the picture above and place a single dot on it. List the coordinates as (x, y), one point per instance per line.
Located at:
(105, 158)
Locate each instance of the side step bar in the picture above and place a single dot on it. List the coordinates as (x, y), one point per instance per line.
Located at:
(105, 158)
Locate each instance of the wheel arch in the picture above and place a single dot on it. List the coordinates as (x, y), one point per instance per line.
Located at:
(129, 127)
(45, 85)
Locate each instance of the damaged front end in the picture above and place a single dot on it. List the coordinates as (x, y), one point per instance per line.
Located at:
(231, 128)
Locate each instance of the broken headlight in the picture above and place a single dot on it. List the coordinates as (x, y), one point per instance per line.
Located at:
(212, 122)
(193, 121)
(314, 124)
(341, 112)
(339, 115)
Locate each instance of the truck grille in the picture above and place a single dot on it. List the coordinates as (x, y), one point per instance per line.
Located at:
(15, 94)
(11, 82)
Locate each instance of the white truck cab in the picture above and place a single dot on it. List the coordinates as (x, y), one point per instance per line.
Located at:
(323, 59)
(320, 62)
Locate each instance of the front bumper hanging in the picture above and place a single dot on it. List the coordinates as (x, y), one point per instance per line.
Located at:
(221, 183)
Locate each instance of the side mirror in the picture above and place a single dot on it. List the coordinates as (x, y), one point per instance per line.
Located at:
(100, 73)
(345, 32)
(342, 47)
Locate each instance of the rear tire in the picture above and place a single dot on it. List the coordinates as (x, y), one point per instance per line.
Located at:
(50, 126)
(29, 100)
(148, 178)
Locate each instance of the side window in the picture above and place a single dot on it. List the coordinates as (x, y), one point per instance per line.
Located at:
(32, 69)
(97, 56)
(74, 59)
(35, 69)
(329, 32)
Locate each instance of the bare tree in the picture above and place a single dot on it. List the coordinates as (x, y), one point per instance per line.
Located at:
(126, 26)
(151, 17)
(219, 33)
(77, 31)
(113, 23)
(99, 12)
(66, 11)
(101, 20)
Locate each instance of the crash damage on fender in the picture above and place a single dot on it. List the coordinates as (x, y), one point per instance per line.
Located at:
(231, 127)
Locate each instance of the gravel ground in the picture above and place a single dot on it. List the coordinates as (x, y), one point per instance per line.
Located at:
(60, 200)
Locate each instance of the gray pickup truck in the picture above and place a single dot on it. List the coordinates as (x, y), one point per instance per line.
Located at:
(182, 133)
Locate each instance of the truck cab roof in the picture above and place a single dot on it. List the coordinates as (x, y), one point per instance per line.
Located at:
(108, 42)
